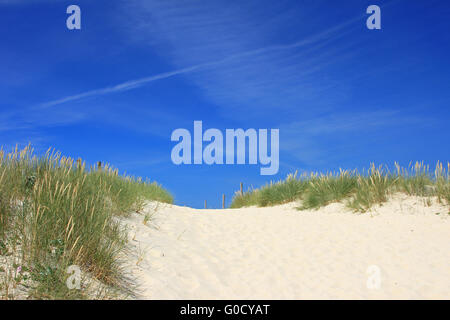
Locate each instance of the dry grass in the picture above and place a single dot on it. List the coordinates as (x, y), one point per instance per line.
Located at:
(55, 213)
(360, 190)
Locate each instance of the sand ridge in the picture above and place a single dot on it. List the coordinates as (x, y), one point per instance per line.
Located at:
(282, 253)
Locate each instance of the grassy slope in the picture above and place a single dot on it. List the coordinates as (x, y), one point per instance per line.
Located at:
(361, 191)
(54, 213)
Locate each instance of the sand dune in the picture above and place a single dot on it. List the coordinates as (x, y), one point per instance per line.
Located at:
(282, 253)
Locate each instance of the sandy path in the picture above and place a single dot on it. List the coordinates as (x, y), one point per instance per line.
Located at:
(282, 253)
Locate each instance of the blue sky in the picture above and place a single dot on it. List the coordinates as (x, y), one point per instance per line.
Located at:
(340, 94)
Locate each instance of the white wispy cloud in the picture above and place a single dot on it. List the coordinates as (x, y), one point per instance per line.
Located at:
(128, 85)
(316, 141)
(229, 73)
(264, 67)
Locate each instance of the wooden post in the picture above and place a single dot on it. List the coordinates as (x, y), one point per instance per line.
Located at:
(79, 163)
(99, 165)
(242, 189)
(205, 204)
(223, 201)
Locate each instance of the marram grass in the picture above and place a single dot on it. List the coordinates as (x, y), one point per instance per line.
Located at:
(55, 213)
(360, 191)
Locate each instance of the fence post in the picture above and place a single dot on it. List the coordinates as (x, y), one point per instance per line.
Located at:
(242, 189)
(223, 201)
(99, 165)
(79, 163)
(205, 204)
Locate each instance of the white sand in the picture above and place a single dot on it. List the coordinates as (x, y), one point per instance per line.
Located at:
(283, 253)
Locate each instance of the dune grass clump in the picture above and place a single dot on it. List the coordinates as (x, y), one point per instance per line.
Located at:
(270, 194)
(54, 214)
(372, 189)
(415, 180)
(359, 191)
(246, 199)
(442, 186)
(324, 189)
(127, 193)
(282, 191)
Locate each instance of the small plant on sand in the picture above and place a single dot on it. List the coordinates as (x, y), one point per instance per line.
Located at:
(147, 217)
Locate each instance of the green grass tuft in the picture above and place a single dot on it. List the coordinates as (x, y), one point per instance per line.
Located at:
(270, 194)
(54, 213)
(324, 189)
(361, 191)
(372, 189)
